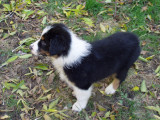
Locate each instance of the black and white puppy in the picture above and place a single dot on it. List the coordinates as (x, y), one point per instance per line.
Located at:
(80, 63)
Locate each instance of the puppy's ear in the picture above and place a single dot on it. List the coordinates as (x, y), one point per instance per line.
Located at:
(56, 47)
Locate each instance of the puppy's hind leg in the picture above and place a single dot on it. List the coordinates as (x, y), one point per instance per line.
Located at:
(119, 78)
(82, 98)
(111, 89)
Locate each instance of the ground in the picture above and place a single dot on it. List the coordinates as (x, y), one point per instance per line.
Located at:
(29, 85)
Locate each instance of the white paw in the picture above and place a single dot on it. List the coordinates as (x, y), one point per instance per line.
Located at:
(77, 107)
(110, 90)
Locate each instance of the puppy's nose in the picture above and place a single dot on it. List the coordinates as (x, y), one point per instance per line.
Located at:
(30, 47)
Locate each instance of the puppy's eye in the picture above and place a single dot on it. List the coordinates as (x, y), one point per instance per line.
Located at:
(43, 43)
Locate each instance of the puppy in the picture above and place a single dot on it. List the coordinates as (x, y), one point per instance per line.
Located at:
(80, 63)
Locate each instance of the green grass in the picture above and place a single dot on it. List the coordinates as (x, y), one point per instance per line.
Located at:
(139, 21)
(94, 7)
(54, 5)
(133, 111)
(131, 108)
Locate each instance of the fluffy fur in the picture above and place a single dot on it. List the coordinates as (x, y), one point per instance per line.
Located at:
(80, 63)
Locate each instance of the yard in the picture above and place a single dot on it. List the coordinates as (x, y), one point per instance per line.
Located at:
(30, 88)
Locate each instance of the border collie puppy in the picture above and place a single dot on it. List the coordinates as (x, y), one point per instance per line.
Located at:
(80, 63)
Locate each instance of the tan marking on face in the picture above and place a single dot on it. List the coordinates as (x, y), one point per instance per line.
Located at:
(116, 83)
(42, 38)
(55, 56)
(44, 52)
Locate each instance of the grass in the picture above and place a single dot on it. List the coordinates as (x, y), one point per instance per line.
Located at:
(53, 5)
(139, 21)
(94, 7)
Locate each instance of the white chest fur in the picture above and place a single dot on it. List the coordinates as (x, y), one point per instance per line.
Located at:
(78, 50)
(59, 67)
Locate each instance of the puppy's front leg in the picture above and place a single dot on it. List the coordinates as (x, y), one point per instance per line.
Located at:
(82, 98)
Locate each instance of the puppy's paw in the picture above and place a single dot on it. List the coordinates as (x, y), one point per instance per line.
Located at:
(77, 107)
(110, 90)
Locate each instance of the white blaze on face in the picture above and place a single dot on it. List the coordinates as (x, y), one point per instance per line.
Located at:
(34, 46)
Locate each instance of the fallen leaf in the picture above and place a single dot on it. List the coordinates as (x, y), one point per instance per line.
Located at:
(157, 69)
(43, 88)
(50, 110)
(142, 59)
(143, 52)
(24, 116)
(44, 106)
(107, 114)
(93, 114)
(112, 117)
(46, 117)
(157, 108)
(44, 21)
(144, 43)
(144, 8)
(52, 104)
(143, 86)
(102, 27)
(88, 21)
(101, 91)
(150, 57)
(149, 17)
(25, 56)
(100, 108)
(136, 88)
(50, 78)
(11, 59)
(4, 117)
(38, 80)
(157, 117)
(108, 1)
(41, 66)
(49, 72)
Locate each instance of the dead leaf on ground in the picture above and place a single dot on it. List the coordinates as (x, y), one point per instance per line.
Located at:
(50, 78)
(143, 52)
(24, 116)
(4, 117)
(143, 86)
(144, 43)
(102, 27)
(38, 80)
(144, 8)
(46, 117)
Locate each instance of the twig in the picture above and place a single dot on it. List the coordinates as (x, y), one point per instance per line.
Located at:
(17, 48)
(2, 66)
(5, 28)
(6, 110)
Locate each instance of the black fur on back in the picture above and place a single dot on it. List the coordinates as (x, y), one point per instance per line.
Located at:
(114, 54)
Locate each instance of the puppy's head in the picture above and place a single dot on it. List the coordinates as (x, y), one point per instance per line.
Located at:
(55, 41)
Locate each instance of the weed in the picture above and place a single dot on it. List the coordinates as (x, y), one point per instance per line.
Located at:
(93, 6)
(11, 101)
(54, 5)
